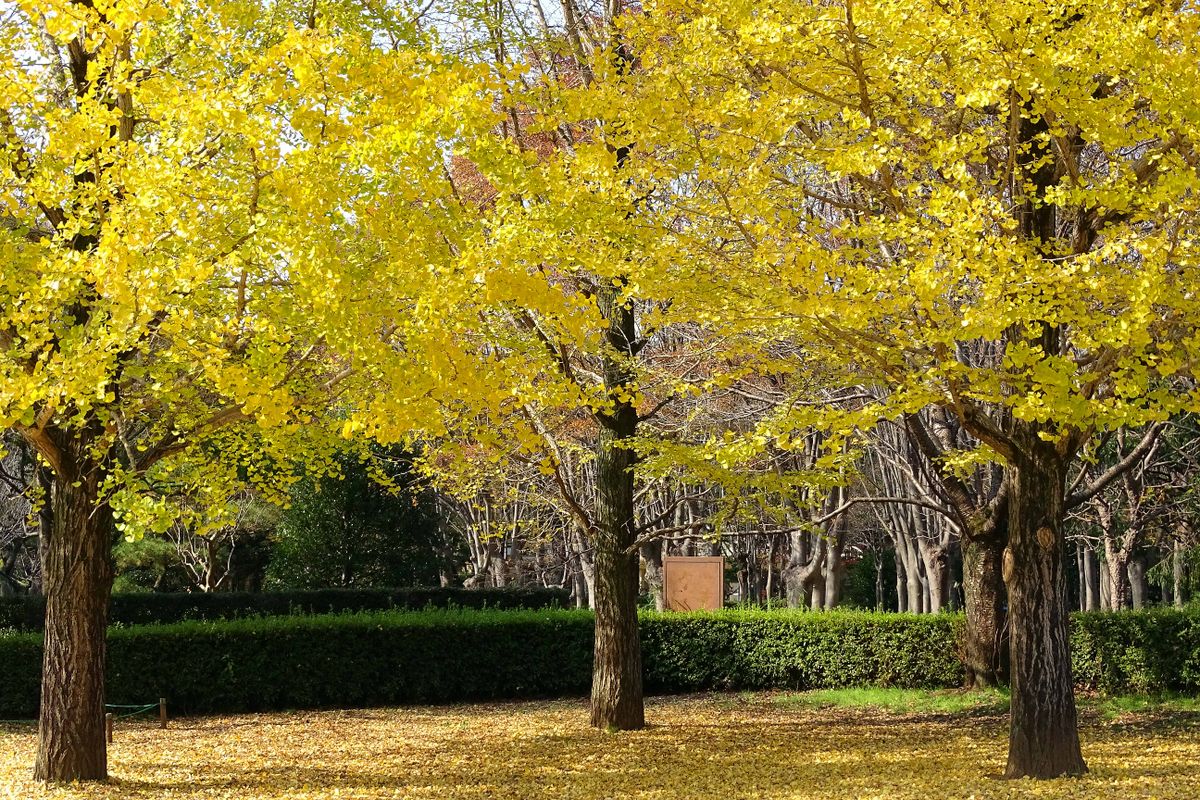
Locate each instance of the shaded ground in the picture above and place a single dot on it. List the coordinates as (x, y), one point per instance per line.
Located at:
(768, 746)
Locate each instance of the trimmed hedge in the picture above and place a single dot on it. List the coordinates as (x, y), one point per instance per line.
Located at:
(1137, 652)
(397, 658)
(449, 656)
(798, 650)
(27, 613)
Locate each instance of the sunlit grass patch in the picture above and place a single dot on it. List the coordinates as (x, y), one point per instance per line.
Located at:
(1155, 705)
(901, 701)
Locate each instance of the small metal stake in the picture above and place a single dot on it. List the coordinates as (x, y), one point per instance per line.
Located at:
(108, 727)
(162, 713)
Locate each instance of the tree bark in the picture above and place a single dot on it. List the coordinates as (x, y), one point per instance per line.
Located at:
(915, 586)
(1091, 579)
(1117, 565)
(985, 646)
(834, 571)
(652, 559)
(1043, 734)
(1138, 589)
(801, 565)
(617, 702)
(78, 581)
(937, 574)
(1178, 573)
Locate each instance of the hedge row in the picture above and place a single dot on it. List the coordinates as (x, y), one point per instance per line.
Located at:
(447, 656)
(27, 613)
(1137, 652)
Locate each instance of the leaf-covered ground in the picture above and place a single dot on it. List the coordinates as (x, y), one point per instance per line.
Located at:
(713, 746)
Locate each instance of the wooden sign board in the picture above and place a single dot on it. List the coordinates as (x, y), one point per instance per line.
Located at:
(694, 583)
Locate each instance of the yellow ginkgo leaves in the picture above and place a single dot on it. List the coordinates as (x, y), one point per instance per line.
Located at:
(734, 747)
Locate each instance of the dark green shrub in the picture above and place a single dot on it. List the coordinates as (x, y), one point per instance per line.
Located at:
(27, 613)
(448, 656)
(1138, 652)
(435, 656)
(798, 650)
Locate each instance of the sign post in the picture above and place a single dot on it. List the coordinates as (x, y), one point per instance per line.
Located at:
(694, 583)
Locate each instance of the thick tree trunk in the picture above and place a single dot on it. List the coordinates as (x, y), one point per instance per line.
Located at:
(1043, 734)
(816, 594)
(497, 571)
(78, 581)
(1117, 565)
(617, 665)
(799, 569)
(985, 647)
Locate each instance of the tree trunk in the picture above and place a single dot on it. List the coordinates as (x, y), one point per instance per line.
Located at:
(743, 579)
(834, 571)
(1178, 573)
(901, 582)
(1043, 733)
(1091, 579)
(1136, 570)
(652, 558)
(878, 564)
(585, 582)
(1117, 565)
(985, 645)
(45, 479)
(798, 570)
(78, 581)
(580, 590)
(937, 574)
(617, 665)
(816, 597)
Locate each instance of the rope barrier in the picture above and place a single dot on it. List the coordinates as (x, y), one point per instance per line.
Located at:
(139, 710)
(136, 709)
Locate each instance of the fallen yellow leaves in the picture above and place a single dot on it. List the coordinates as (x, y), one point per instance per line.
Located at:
(712, 746)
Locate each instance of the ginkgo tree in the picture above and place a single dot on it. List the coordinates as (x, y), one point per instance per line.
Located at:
(163, 245)
(987, 207)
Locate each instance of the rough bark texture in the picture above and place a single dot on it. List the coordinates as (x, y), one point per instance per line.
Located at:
(802, 565)
(617, 666)
(985, 647)
(78, 581)
(1043, 735)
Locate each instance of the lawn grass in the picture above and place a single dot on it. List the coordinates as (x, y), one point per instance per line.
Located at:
(725, 746)
(901, 701)
(977, 702)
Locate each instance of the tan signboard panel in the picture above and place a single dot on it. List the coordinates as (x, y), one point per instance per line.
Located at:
(694, 583)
